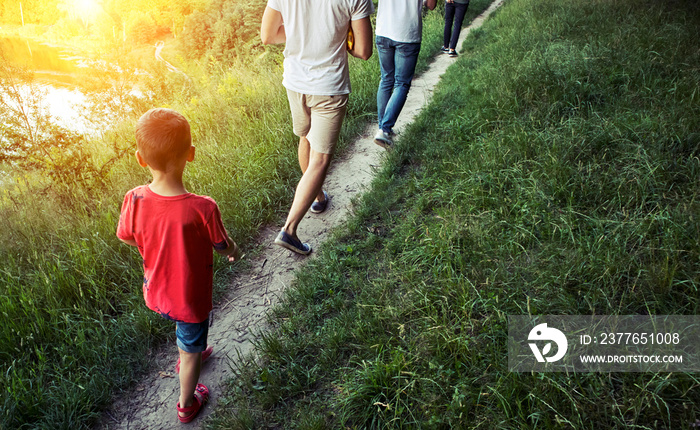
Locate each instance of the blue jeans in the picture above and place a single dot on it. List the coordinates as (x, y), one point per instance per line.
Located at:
(454, 16)
(397, 62)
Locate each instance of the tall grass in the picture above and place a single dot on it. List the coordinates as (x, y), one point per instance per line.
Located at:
(555, 172)
(75, 330)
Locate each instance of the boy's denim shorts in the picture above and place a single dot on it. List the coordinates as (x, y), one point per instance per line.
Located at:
(192, 337)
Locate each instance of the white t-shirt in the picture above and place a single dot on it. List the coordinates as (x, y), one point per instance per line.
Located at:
(315, 54)
(400, 20)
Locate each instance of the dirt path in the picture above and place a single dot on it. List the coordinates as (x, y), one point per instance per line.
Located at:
(243, 310)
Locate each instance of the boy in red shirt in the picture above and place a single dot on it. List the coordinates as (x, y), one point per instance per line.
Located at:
(175, 231)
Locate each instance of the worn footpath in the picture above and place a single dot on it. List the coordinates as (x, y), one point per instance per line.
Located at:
(242, 312)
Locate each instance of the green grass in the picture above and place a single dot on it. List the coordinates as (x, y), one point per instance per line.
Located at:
(555, 172)
(76, 331)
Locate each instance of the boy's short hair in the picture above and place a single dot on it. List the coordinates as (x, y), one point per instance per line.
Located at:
(162, 135)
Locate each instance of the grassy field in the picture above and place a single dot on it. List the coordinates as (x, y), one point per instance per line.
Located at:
(555, 172)
(76, 331)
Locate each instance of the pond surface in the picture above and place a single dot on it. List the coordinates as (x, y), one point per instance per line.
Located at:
(51, 65)
(56, 72)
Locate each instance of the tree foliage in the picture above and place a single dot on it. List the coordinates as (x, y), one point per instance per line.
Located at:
(226, 29)
(215, 29)
(141, 21)
(33, 11)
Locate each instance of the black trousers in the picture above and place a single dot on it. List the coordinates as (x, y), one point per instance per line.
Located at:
(454, 16)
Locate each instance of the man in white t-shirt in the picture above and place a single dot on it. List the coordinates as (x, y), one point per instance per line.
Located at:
(318, 84)
(399, 34)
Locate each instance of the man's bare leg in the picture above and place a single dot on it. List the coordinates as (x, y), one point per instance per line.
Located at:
(309, 188)
(304, 151)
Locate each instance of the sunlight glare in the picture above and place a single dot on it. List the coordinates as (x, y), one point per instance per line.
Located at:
(87, 9)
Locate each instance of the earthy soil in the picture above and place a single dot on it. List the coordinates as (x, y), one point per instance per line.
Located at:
(151, 403)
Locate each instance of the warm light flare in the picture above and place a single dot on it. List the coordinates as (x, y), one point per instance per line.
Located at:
(86, 9)
(86, 4)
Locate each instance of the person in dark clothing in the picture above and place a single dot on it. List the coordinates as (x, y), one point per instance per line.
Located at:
(454, 16)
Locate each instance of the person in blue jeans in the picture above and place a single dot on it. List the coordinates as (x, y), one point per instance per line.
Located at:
(454, 16)
(399, 32)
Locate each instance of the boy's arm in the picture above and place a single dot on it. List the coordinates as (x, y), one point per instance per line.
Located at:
(219, 237)
(272, 27)
(362, 31)
(124, 227)
(232, 251)
(131, 242)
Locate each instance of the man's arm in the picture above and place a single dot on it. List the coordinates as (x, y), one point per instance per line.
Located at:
(430, 4)
(272, 27)
(362, 30)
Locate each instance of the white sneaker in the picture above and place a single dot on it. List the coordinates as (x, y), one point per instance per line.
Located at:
(383, 139)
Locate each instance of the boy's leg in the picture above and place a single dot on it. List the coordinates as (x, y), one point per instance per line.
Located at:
(191, 341)
(190, 368)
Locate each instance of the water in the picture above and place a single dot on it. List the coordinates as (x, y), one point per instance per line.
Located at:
(51, 65)
(56, 71)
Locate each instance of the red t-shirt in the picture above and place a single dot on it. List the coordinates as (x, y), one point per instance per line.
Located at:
(175, 236)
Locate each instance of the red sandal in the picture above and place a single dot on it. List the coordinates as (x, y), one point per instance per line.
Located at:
(201, 397)
(205, 354)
